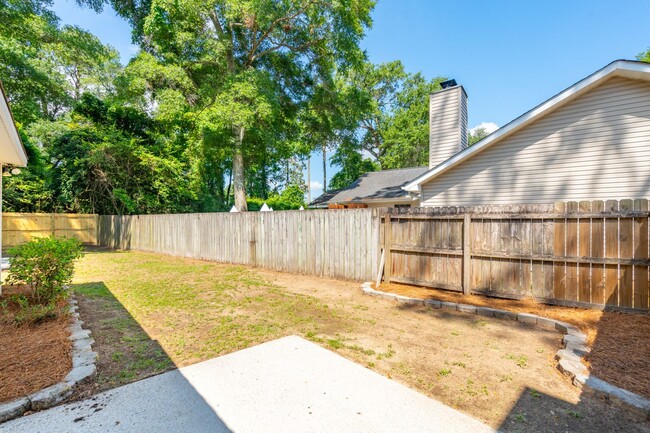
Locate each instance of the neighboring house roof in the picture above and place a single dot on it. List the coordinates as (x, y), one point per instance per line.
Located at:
(385, 185)
(618, 68)
(324, 198)
(11, 147)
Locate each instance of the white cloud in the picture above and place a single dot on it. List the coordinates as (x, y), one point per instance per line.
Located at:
(314, 184)
(489, 127)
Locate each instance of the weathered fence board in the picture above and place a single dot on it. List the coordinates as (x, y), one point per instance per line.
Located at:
(18, 228)
(573, 253)
(340, 243)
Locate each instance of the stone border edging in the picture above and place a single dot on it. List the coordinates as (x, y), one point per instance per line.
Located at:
(569, 357)
(83, 367)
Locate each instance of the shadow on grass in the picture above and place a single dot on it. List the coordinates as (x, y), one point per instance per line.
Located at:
(128, 354)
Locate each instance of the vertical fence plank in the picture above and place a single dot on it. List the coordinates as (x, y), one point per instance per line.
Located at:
(641, 284)
(611, 251)
(584, 250)
(559, 250)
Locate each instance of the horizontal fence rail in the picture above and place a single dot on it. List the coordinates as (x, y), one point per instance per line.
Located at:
(575, 253)
(341, 244)
(18, 228)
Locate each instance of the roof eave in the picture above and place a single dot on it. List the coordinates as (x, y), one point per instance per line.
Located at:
(7, 117)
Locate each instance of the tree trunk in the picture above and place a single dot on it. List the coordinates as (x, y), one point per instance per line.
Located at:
(309, 179)
(239, 187)
(324, 167)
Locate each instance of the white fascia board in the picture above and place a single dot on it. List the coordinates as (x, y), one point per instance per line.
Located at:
(618, 67)
(19, 157)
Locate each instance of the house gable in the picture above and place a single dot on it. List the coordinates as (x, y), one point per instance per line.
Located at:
(595, 146)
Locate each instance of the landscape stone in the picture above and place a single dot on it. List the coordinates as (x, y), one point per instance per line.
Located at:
(75, 328)
(79, 335)
(571, 368)
(432, 303)
(546, 323)
(467, 308)
(562, 327)
(568, 354)
(407, 300)
(575, 339)
(620, 397)
(527, 318)
(80, 373)
(502, 314)
(85, 357)
(485, 311)
(580, 349)
(448, 305)
(50, 396)
(83, 344)
(14, 408)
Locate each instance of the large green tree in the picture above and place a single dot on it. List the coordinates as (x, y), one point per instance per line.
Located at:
(246, 63)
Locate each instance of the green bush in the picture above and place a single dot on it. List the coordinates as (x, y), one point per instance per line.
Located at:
(46, 265)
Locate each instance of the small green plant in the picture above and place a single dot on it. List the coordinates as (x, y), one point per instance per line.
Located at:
(459, 364)
(520, 417)
(535, 394)
(506, 378)
(46, 265)
(444, 372)
(574, 414)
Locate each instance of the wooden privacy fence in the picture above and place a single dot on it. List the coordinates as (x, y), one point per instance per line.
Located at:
(18, 228)
(342, 244)
(570, 254)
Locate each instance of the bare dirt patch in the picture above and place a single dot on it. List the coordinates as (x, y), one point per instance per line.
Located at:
(620, 349)
(32, 357)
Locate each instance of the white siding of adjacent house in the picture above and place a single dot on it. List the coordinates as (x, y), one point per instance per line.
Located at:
(446, 123)
(596, 147)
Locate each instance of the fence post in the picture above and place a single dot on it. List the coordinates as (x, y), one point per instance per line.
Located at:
(387, 242)
(466, 254)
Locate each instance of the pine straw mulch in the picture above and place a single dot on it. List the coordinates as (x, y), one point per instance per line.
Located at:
(619, 341)
(32, 357)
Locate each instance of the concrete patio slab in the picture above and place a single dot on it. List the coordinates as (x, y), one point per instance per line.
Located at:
(287, 385)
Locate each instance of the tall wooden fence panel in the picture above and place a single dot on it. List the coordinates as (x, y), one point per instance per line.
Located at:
(18, 228)
(342, 243)
(576, 253)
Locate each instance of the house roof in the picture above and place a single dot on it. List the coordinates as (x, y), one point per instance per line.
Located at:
(618, 68)
(11, 147)
(324, 198)
(375, 186)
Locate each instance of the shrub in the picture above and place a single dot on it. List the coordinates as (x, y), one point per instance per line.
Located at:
(46, 265)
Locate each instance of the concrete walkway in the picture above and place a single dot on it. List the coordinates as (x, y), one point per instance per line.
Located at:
(287, 385)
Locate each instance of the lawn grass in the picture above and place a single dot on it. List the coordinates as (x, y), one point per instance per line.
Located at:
(197, 310)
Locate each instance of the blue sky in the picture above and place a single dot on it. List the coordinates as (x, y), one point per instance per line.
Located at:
(509, 55)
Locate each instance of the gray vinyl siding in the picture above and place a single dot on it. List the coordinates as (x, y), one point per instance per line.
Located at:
(595, 147)
(445, 124)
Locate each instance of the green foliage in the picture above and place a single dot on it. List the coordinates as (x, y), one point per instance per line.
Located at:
(46, 265)
(644, 56)
(291, 198)
(477, 135)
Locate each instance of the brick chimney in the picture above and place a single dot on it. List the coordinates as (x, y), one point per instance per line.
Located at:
(447, 122)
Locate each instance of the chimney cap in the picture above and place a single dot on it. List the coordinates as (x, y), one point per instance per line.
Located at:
(448, 83)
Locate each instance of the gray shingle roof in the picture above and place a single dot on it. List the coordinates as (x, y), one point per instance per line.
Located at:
(383, 184)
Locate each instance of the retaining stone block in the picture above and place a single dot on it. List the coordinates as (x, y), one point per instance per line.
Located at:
(546, 323)
(501, 314)
(85, 357)
(409, 301)
(432, 303)
(448, 305)
(14, 408)
(485, 311)
(527, 318)
(467, 308)
(77, 374)
(50, 396)
(575, 339)
(569, 355)
(619, 397)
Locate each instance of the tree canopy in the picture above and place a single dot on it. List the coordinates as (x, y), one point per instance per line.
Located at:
(224, 103)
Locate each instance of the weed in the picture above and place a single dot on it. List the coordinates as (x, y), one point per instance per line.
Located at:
(535, 394)
(506, 378)
(335, 344)
(459, 364)
(520, 417)
(574, 414)
(455, 333)
(117, 356)
(444, 372)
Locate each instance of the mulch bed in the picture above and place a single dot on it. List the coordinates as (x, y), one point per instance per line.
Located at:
(619, 341)
(32, 357)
